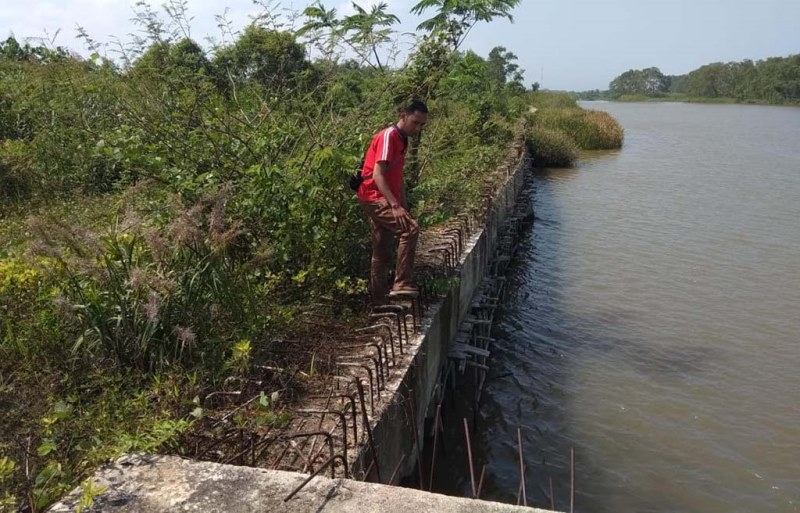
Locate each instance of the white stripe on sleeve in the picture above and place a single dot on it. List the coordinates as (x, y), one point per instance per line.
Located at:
(385, 154)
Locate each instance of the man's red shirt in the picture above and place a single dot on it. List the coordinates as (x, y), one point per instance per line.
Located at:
(388, 145)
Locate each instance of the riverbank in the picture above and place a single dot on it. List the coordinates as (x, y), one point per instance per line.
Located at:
(64, 351)
(385, 405)
(681, 98)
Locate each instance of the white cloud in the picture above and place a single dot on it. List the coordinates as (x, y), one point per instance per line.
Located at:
(106, 20)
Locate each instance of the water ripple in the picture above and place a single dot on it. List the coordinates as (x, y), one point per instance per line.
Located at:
(653, 323)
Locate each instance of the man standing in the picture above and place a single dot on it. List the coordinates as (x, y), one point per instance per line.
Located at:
(381, 197)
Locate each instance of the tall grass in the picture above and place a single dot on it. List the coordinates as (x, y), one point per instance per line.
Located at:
(590, 129)
(552, 100)
(147, 296)
(551, 147)
(558, 129)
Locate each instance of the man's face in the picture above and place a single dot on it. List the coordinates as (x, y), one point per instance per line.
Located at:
(413, 123)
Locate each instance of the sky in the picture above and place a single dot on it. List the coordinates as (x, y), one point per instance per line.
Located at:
(562, 44)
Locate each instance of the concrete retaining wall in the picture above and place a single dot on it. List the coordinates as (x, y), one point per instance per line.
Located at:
(392, 431)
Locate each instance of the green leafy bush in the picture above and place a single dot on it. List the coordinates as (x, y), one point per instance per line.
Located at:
(18, 172)
(146, 296)
(551, 147)
(591, 130)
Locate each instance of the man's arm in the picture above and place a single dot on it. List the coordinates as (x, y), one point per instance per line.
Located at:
(400, 214)
(379, 175)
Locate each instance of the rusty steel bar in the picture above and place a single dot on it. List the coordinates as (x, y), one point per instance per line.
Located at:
(369, 470)
(392, 315)
(383, 352)
(314, 442)
(522, 469)
(313, 475)
(480, 481)
(383, 327)
(328, 440)
(352, 400)
(368, 428)
(280, 457)
(469, 455)
(571, 479)
(412, 405)
(435, 440)
(371, 383)
(396, 468)
(378, 373)
(342, 418)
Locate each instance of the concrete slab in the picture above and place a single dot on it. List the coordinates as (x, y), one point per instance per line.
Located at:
(156, 484)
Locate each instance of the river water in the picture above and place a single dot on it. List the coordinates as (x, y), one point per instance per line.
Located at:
(653, 323)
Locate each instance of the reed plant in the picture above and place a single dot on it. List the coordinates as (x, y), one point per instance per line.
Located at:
(551, 147)
(591, 129)
(552, 100)
(145, 297)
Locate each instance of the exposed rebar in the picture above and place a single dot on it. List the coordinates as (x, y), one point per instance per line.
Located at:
(435, 440)
(480, 481)
(571, 479)
(368, 428)
(396, 468)
(522, 469)
(312, 476)
(469, 455)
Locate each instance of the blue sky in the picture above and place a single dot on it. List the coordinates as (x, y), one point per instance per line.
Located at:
(564, 44)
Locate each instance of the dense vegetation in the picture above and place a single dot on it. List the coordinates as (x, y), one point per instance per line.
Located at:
(167, 216)
(774, 81)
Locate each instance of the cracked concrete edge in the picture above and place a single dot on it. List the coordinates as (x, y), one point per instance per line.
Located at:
(156, 484)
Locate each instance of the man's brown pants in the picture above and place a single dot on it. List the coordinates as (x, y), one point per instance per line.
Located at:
(383, 228)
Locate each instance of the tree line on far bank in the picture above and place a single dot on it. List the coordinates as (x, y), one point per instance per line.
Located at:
(775, 80)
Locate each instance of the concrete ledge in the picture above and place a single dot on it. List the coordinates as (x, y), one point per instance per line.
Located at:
(149, 484)
(412, 392)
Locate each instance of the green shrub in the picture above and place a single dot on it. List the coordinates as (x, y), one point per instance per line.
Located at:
(602, 132)
(591, 130)
(550, 100)
(18, 174)
(551, 147)
(145, 297)
(29, 326)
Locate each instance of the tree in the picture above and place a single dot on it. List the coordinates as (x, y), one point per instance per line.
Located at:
(269, 57)
(629, 82)
(368, 30)
(457, 17)
(649, 81)
(364, 32)
(163, 57)
(10, 49)
(503, 66)
(655, 82)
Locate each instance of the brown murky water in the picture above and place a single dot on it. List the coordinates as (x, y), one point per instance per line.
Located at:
(654, 322)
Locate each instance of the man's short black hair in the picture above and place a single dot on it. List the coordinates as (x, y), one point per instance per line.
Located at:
(415, 106)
